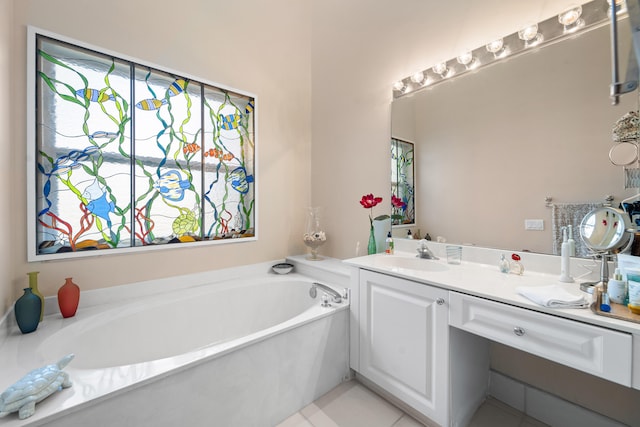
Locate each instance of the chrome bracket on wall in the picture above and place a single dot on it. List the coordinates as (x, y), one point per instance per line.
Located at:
(631, 83)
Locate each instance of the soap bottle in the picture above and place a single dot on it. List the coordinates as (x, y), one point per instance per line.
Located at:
(565, 258)
(409, 235)
(617, 288)
(572, 243)
(389, 249)
(504, 264)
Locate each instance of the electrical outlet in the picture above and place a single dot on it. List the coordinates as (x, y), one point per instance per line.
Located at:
(534, 224)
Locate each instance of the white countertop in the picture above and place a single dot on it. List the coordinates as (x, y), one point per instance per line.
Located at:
(486, 281)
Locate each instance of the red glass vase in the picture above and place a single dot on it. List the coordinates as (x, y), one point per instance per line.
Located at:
(68, 298)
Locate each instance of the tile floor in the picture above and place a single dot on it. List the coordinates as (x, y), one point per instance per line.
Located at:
(352, 405)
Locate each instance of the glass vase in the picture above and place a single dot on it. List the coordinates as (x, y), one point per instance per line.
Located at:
(371, 247)
(33, 284)
(68, 298)
(314, 236)
(27, 311)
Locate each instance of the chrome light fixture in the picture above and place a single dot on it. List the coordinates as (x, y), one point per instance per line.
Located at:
(579, 18)
(621, 7)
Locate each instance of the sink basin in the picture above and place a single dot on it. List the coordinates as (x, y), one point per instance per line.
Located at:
(417, 264)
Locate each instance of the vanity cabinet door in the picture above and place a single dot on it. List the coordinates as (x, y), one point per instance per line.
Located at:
(404, 341)
(595, 350)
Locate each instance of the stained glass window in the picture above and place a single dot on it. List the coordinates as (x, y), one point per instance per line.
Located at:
(130, 156)
(402, 182)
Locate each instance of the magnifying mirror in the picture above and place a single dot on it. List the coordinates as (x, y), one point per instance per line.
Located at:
(605, 231)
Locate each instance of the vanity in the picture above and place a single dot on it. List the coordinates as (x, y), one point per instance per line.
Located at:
(421, 329)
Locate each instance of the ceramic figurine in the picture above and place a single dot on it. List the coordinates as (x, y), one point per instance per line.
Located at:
(34, 387)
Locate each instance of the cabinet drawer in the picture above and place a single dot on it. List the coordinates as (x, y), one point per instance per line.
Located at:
(598, 351)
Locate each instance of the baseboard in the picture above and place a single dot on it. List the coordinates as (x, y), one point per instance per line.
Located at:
(543, 406)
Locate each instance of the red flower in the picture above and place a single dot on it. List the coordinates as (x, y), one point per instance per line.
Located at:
(369, 200)
(397, 202)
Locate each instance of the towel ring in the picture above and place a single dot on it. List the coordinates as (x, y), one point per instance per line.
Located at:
(624, 153)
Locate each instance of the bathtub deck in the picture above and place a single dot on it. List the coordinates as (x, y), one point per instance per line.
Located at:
(353, 405)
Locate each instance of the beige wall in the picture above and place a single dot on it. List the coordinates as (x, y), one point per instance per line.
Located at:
(261, 47)
(7, 146)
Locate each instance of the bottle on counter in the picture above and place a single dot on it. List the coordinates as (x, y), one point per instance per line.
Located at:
(617, 288)
(516, 266)
(503, 265)
(389, 249)
(633, 282)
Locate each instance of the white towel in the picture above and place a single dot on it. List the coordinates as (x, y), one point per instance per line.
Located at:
(553, 296)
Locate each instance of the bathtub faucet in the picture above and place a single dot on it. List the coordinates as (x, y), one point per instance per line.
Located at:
(335, 296)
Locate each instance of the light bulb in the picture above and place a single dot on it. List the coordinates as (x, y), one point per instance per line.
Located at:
(399, 85)
(465, 58)
(417, 77)
(530, 35)
(570, 18)
(496, 47)
(441, 68)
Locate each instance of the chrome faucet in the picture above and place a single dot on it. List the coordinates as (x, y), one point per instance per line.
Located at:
(424, 251)
(335, 296)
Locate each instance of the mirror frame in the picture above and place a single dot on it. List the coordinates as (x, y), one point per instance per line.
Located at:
(403, 189)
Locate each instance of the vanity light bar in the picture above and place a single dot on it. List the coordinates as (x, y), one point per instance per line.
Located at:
(566, 24)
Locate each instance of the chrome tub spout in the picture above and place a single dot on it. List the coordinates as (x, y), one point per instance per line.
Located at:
(335, 296)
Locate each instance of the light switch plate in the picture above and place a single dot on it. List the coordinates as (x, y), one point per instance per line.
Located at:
(534, 224)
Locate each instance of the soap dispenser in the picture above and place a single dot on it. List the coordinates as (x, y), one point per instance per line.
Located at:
(565, 258)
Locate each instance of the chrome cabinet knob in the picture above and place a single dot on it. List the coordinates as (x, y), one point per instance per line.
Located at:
(518, 331)
(440, 301)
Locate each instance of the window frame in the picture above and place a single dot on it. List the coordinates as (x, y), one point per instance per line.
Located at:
(33, 254)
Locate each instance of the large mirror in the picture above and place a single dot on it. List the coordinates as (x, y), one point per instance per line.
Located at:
(506, 145)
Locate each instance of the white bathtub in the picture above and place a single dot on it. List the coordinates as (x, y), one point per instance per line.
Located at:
(246, 350)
